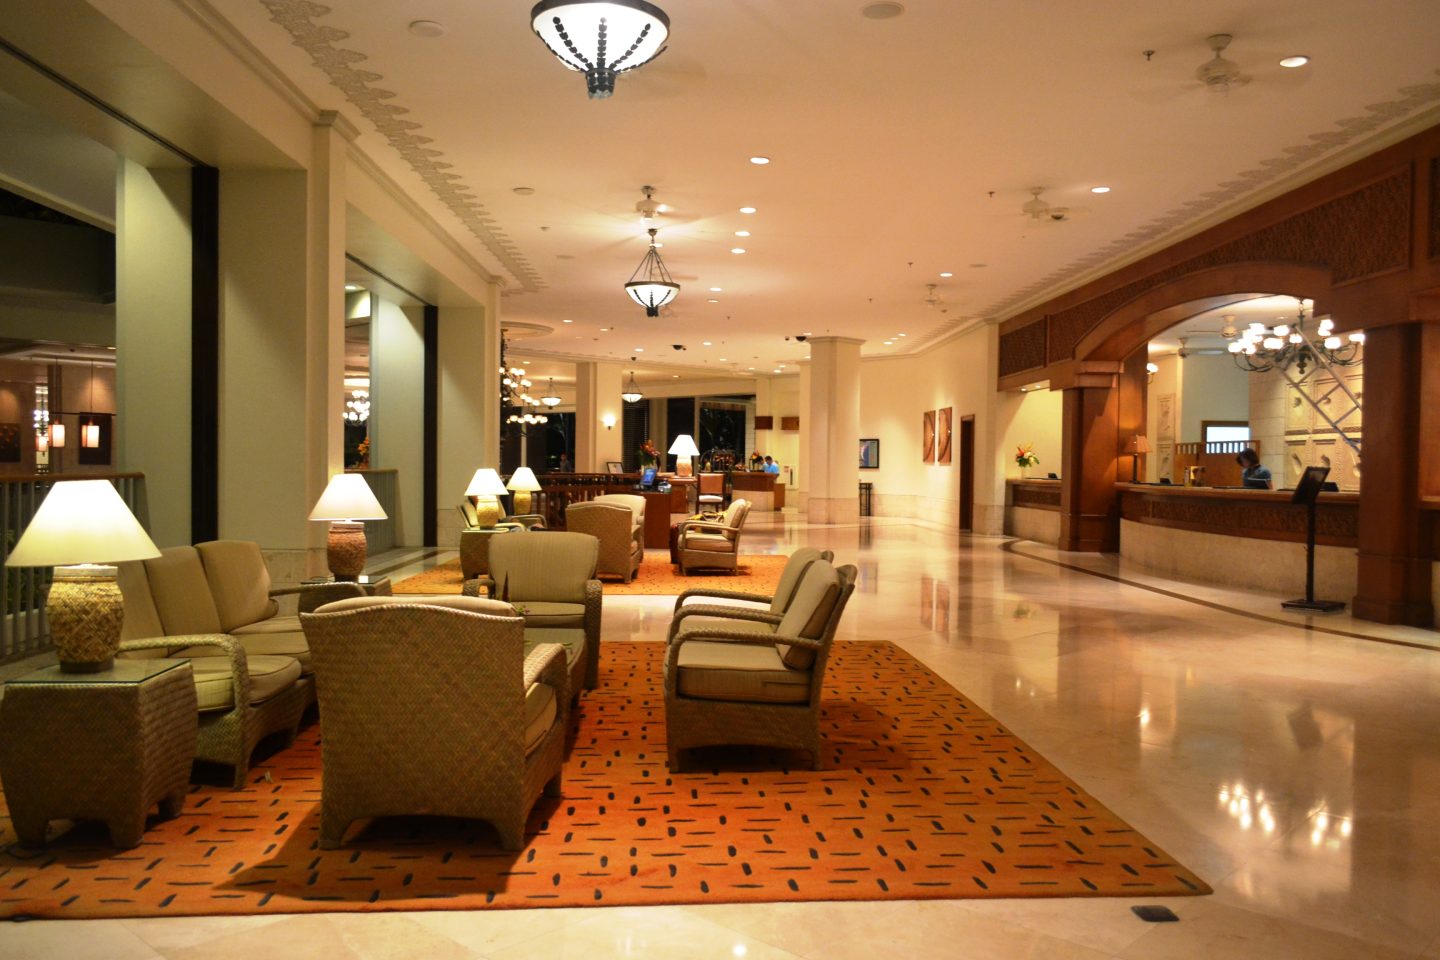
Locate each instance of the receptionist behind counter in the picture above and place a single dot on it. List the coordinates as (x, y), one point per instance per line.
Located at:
(1252, 473)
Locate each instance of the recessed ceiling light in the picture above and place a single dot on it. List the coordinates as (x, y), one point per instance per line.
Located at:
(1101, 189)
(604, 329)
(427, 28)
(704, 343)
(567, 321)
(747, 209)
(742, 233)
(353, 287)
(947, 274)
(674, 376)
(888, 342)
(1299, 60)
(882, 10)
(777, 370)
(523, 191)
(712, 300)
(639, 349)
(899, 334)
(737, 249)
(749, 368)
(809, 334)
(714, 289)
(722, 360)
(759, 161)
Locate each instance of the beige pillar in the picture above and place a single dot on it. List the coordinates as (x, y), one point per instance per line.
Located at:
(397, 410)
(597, 399)
(152, 307)
(833, 463)
(469, 405)
(801, 497)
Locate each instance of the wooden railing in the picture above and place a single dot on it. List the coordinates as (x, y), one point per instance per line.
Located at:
(559, 490)
(23, 630)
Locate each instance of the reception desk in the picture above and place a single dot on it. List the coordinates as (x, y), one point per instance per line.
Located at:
(1032, 510)
(765, 491)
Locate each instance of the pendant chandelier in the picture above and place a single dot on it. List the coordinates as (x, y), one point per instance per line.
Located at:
(651, 285)
(601, 38)
(631, 393)
(551, 398)
(1259, 348)
(516, 393)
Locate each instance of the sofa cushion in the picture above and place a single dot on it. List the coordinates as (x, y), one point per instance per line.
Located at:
(142, 620)
(270, 637)
(181, 592)
(735, 671)
(571, 638)
(213, 684)
(538, 613)
(808, 613)
(708, 542)
(790, 578)
(239, 582)
(540, 710)
(493, 608)
(696, 625)
(544, 565)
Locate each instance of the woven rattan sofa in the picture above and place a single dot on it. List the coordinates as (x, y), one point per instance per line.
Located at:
(748, 618)
(613, 525)
(711, 544)
(550, 578)
(431, 705)
(212, 604)
(733, 687)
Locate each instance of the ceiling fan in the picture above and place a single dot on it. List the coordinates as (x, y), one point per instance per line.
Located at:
(1040, 210)
(1219, 74)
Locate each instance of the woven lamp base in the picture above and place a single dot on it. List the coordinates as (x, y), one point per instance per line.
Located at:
(487, 511)
(683, 467)
(85, 611)
(522, 501)
(345, 550)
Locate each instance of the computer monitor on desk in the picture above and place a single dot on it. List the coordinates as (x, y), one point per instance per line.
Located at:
(647, 478)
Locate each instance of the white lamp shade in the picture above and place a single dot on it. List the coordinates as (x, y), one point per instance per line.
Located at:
(82, 521)
(523, 479)
(575, 29)
(347, 497)
(485, 483)
(684, 446)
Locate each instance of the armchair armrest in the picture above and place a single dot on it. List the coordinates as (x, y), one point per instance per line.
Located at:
(721, 594)
(719, 610)
(594, 599)
(672, 647)
(546, 664)
(472, 588)
(530, 521)
(709, 525)
(239, 666)
(313, 596)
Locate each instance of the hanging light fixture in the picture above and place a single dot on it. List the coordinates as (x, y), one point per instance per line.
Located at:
(651, 285)
(90, 429)
(551, 398)
(601, 38)
(631, 393)
(1259, 348)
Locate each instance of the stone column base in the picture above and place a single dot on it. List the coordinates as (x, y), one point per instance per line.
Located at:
(833, 510)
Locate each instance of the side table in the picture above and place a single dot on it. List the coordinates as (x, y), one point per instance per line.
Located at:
(318, 591)
(98, 746)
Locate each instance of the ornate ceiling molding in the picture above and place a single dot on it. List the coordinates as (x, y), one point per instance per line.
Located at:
(381, 107)
(1291, 160)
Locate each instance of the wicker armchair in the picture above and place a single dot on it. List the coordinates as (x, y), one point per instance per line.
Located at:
(529, 521)
(432, 706)
(730, 687)
(636, 503)
(242, 697)
(746, 619)
(613, 525)
(550, 578)
(711, 544)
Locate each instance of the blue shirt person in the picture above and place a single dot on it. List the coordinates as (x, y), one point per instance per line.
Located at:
(771, 466)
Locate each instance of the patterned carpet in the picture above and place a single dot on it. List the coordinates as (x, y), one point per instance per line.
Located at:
(923, 796)
(758, 573)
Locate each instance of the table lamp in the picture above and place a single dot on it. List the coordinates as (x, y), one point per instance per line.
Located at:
(1138, 445)
(485, 486)
(81, 528)
(523, 483)
(684, 448)
(346, 501)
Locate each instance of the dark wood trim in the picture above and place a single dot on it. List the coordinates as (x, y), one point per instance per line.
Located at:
(1250, 514)
(431, 427)
(967, 472)
(1034, 494)
(204, 354)
(764, 423)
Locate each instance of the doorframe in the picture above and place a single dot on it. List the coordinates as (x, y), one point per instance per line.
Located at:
(967, 473)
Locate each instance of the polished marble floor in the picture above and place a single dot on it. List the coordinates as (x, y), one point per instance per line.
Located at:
(1297, 770)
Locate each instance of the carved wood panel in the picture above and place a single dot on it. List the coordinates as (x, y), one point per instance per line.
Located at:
(1336, 524)
(1036, 496)
(1358, 235)
(1023, 349)
(1435, 207)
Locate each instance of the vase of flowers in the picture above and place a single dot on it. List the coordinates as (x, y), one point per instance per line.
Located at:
(1025, 459)
(649, 454)
(757, 461)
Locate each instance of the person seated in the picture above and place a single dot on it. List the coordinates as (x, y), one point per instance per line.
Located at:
(1253, 474)
(771, 466)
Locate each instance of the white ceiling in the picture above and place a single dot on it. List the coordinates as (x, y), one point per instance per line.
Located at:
(901, 148)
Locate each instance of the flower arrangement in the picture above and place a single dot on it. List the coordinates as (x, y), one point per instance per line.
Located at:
(1025, 456)
(757, 461)
(649, 453)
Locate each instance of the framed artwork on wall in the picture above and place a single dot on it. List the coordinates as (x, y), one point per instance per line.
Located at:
(942, 436)
(927, 438)
(870, 454)
(614, 466)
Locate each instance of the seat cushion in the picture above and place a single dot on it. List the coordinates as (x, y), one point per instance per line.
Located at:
(239, 581)
(213, 687)
(280, 643)
(708, 542)
(542, 614)
(181, 592)
(734, 671)
(696, 625)
(571, 638)
(540, 713)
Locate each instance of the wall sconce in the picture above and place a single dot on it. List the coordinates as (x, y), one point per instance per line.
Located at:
(609, 421)
(1150, 370)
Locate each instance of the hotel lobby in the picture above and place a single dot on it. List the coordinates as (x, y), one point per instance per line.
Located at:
(1051, 269)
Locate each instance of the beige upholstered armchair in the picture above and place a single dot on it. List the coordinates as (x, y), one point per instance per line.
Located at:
(745, 619)
(550, 578)
(530, 521)
(711, 545)
(432, 706)
(636, 504)
(731, 687)
(613, 525)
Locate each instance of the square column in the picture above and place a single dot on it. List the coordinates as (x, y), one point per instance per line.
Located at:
(597, 395)
(833, 431)
(469, 405)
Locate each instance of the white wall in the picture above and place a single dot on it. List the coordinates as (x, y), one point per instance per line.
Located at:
(1031, 417)
(894, 394)
(1212, 388)
(397, 397)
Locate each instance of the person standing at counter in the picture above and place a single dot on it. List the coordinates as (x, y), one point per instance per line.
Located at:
(771, 466)
(1252, 472)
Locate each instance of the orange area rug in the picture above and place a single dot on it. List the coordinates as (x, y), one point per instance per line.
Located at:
(922, 796)
(758, 573)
